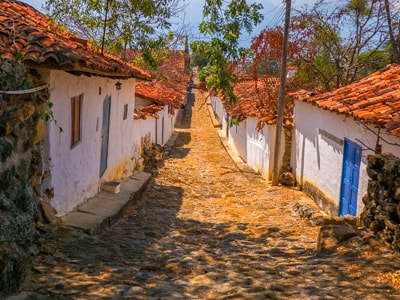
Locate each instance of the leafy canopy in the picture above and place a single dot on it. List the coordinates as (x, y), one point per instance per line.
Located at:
(225, 22)
(342, 43)
(130, 24)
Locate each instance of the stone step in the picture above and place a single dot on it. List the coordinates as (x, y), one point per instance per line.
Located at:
(105, 208)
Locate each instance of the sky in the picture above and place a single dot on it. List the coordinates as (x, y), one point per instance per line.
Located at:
(274, 12)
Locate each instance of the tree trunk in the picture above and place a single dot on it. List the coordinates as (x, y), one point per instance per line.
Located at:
(395, 52)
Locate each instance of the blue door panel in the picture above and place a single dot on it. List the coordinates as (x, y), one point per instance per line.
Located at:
(104, 135)
(350, 178)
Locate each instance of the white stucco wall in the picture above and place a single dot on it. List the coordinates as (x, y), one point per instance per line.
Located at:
(156, 126)
(170, 124)
(238, 138)
(75, 172)
(260, 147)
(318, 158)
(225, 123)
(147, 127)
(142, 128)
(164, 129)
(216, 104)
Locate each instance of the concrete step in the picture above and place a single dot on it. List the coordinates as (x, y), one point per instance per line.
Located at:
(105, 208)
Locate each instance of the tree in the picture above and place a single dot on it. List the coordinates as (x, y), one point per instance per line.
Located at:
(117, 25)
(199, 60)
(392, 17)
(225, 22)
(266, 52)
(339, 46)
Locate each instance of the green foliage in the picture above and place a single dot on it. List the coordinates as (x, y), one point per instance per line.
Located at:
(204, 72)
(225, 23)
(233, 122)
(130, 24)
(13, 75)
(340, 44)
(269, 66)
(48, 115)
(359, 7)
(199, 60)
(374, 61)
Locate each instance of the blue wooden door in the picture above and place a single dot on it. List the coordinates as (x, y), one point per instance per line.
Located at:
(104, 134)
(350, 178)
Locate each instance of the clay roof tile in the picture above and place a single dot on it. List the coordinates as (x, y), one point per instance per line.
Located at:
(258, 98)
(25, 30)
(374, 99)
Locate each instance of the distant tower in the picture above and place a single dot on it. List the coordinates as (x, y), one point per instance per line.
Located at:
(187, 57)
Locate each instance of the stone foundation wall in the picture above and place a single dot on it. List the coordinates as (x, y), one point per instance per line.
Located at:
(381, 213)
(287, 151)
(21, 131)
(323, 201)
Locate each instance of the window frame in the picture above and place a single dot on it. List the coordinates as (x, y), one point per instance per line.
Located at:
(125, 115)
(76, 120)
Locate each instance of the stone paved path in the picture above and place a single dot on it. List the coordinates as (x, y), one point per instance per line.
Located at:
(206, 230)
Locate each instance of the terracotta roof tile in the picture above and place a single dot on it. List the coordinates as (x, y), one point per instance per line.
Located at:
(258, 98)
(170, 70)
(40, 43)
(374, 99)
(168, 87)
(147, 111)
(159, 93)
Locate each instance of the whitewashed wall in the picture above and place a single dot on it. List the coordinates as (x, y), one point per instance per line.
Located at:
(147, 128)
(161, 128)
(238, 138)
(75, 173)
(220, 111)
(225, 123)
(319, 154)
(174, 119)
(165, 126)
(217, 106)
(170, 123)
(260, 147)
(142, 128)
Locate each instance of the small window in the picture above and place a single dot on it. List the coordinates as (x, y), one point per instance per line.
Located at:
(125, 112)
(76, 108)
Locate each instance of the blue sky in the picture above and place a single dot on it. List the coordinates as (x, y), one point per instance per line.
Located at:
(273, 14)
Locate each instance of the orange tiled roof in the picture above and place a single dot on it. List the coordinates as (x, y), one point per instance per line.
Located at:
(158, 93)
(147, 111)
(375, 99)
(258, 99)
(40, 43)
(170, 70)
(175, 58)
(173, 77)
(169, 84)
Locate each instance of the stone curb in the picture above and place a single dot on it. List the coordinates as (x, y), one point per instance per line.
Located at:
(106, 208)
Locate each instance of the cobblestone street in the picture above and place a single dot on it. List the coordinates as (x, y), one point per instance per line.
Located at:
(205, 229)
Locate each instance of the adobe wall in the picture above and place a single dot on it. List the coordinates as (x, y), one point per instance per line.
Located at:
(381, 213)
(21, 131)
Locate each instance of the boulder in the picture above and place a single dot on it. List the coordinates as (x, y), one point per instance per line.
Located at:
(48, 213)
(287, 179)
(331, 236)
